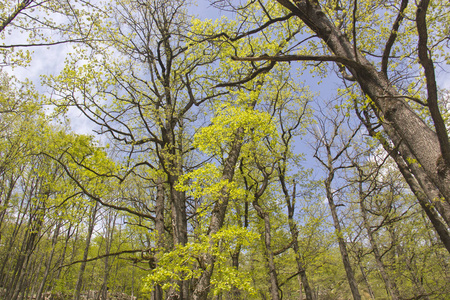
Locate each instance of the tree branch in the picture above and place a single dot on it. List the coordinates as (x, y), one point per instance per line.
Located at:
(286, 58)
(392, 37)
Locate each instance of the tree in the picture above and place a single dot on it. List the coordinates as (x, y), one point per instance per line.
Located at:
(338, 29)
(141, 88)
(198, 179)
(333, 137)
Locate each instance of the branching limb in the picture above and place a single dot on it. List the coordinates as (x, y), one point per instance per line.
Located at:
(286, 58)
(22, 6)
(392, 37)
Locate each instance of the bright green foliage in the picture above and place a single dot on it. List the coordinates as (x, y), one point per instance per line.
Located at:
(182, 262)
(167, 92)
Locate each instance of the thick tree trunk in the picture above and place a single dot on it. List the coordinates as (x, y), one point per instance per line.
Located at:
(171, 162)
(179, 228)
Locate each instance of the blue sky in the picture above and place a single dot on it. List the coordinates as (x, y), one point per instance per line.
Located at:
(50, 60)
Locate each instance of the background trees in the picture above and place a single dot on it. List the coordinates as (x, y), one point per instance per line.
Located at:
(198, 186)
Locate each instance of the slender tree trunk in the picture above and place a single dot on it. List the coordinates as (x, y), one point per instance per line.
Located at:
(92, 216)
(109, 234)
(31, 280)
(21, 269)
(159, 226)
(24, 207)
(63, 254)
(218, 217)
(5, 201)
(49, 260)
(265, 216)
(294, 234)
(342, 244)
(391, 287)
(427, 196)
(363, 272)
(273, 279)
(235, 291)
(419, 290)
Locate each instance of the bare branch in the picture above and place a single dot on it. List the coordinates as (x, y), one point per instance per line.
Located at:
(286, 58)
(392, 37)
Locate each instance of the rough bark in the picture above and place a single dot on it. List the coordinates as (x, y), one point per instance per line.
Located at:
(427, 195)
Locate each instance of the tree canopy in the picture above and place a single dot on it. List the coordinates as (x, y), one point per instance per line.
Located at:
(217, 167)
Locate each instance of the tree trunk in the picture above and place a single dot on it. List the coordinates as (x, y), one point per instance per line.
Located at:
(419, 290)
(218, 217)
(109, 233)
(235, 291)
(342, 244)
(63, 254)
(79, 284)
(391, 287)
(427, 197)
(265, 216)
(17, 281)
(294, 234)
(159, 226)
(273, 279)
(24, 207)
(49, 261)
